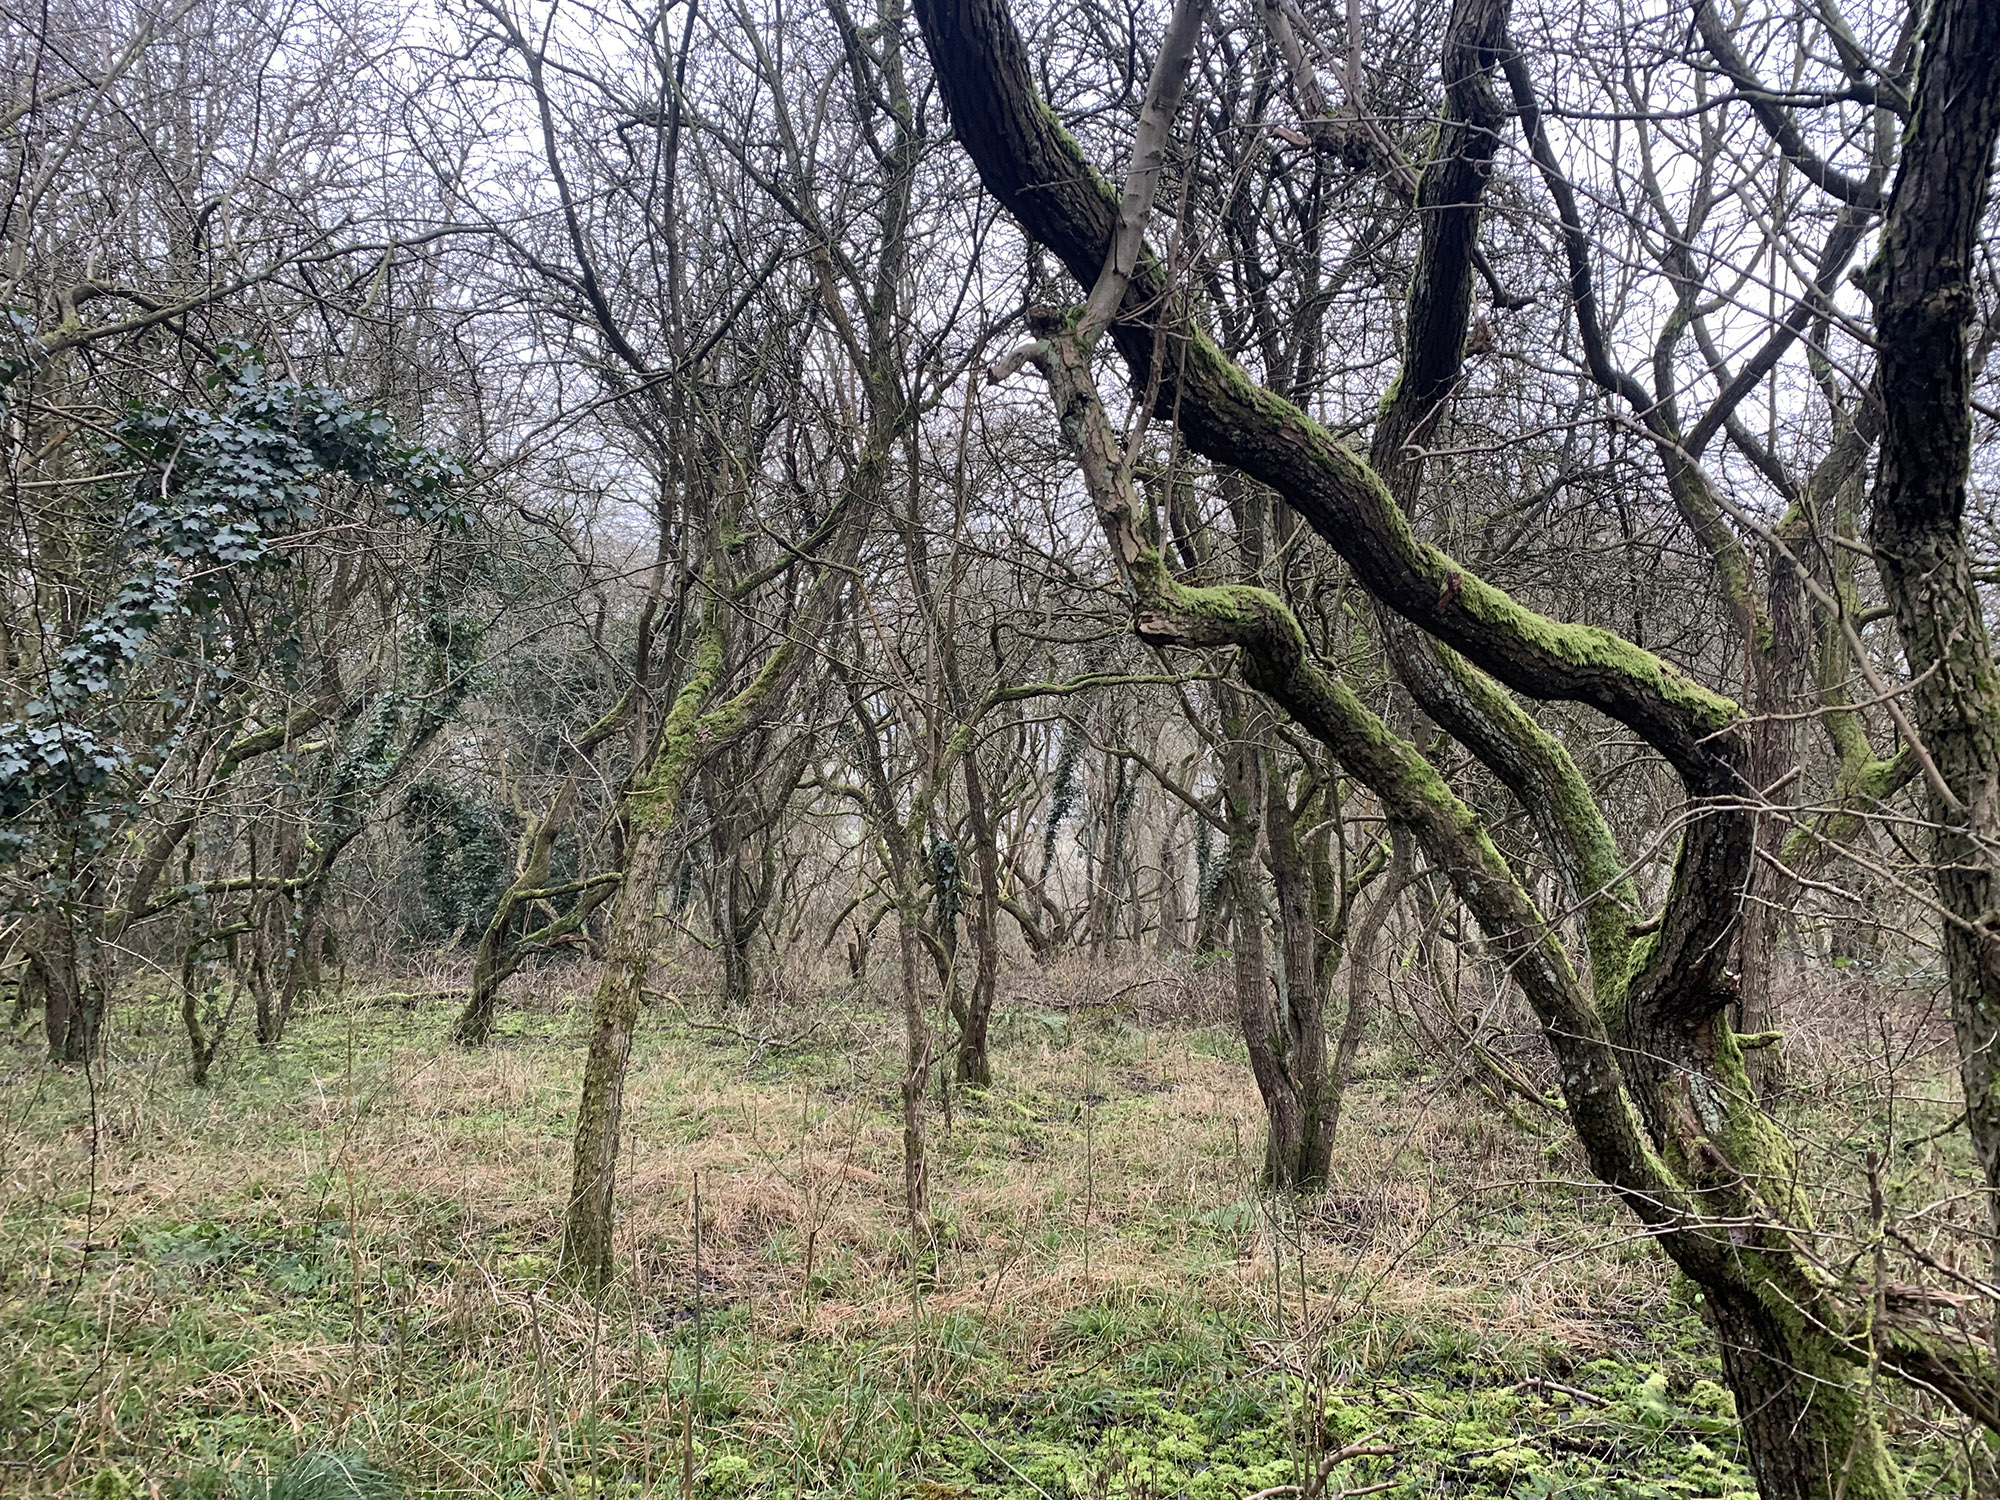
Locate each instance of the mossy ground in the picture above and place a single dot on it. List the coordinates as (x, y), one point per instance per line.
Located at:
(346, 1245)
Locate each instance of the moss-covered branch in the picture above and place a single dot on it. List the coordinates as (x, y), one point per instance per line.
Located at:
(1042, 177)
(1464, 701)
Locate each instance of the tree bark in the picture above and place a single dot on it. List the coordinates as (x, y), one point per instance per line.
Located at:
(1257, 1009)
(973, 1065)
(1917, 525)
(916, 1066)
(1302, 1008)
(59, 976)
(1363, 939)
(588, 1222)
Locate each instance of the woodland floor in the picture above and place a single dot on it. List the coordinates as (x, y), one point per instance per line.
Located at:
(346, 1246)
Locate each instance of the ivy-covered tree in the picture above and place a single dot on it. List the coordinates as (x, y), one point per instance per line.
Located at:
(192, 662)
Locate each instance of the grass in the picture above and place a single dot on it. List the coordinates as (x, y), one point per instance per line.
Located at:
(337, 1263)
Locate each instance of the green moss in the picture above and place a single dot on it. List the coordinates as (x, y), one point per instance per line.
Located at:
(1583, 646)
(1588, 646)
(727, 1474)
(1068, 145)
(1748, 1136)
(1389, 397)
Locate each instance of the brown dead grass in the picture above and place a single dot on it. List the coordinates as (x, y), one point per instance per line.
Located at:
(1112, 1167)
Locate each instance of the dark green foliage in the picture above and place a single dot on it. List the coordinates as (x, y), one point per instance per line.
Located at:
(462, 849)
(1063, 794)
(1208, 869)
(947, 881)
(218, 492)
(1126, 797)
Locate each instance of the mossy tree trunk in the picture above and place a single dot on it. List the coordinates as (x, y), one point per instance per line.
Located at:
(690, 733)
(1696, 1162)
(1304, 953)
(1653, 1080)
(653, 804)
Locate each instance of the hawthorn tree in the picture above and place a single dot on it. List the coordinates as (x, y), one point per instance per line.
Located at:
(1652, 1071)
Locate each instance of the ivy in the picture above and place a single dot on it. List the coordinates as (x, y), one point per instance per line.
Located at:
(462, 855)
(1209, 870)
(219, 492)
(947, 882)
(1064, 792)
(1124, 798)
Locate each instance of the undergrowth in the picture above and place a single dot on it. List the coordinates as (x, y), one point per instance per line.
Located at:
(333, 1268)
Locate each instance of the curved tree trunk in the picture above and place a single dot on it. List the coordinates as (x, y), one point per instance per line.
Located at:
(1704, 1159)
(1808, 1423)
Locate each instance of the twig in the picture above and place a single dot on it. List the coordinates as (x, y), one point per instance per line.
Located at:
(996, 1453)
(1589, 1398)
(760, 1044)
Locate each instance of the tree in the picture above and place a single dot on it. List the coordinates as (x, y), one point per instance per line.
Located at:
(1918, 521)
(1652, 1073)
(737, 670)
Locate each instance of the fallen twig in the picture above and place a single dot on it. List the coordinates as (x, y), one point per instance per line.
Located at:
(997, 1454)
(760, 1043)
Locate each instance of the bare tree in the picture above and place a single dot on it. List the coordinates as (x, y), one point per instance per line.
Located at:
(1651, 1071)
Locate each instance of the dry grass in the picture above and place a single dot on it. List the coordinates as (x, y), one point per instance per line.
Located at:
(350, 1242)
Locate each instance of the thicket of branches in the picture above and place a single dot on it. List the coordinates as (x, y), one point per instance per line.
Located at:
(891, 499)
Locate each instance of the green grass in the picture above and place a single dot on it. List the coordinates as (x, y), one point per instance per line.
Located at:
(344, 1248)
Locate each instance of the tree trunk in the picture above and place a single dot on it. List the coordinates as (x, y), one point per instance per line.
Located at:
(1172, 937)
(1109, 866)
(973, 1065)
(491, 966)
(1781, 689)
(204, 1036)
(1807, 1413)
(916, 1058)
(71, 1012)
(1808, 1421)
(1361, 944)
(1301, 1012)
(1918, 522)
(1264, 1031)
(739, 980)
(587, 1226)
(653, 805)
(743, 900)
